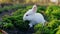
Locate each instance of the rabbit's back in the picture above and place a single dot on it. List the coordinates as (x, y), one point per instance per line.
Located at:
(38, 18)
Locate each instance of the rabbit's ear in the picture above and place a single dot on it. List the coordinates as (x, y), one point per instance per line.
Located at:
(34, 8)
(32, 11)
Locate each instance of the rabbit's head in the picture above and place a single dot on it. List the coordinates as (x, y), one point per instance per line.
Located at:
(28, 15)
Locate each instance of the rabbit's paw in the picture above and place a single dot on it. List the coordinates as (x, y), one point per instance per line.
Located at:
(30, 25)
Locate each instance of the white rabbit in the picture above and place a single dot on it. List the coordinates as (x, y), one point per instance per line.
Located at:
(33, 17)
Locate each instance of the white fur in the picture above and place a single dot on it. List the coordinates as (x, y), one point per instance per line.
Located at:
(33, 17)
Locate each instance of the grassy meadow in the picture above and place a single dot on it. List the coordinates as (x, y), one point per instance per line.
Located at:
(11, 19)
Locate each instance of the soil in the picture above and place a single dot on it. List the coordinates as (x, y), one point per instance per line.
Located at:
(17, 31)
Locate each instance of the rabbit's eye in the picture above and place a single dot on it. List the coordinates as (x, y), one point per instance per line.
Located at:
(26, 15)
